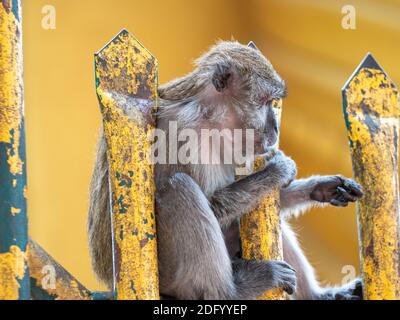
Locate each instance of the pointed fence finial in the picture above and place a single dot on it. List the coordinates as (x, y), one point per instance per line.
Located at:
(371, 110)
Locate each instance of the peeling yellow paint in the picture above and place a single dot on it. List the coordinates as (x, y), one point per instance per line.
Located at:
(132, 63)
(127, 80)
(11, 102)
(373, 120)
(15, 211)
(12, 269)
(260, 230)
(66, 287)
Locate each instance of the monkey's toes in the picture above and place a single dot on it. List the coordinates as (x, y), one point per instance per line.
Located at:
(351, 291)
(286, 277)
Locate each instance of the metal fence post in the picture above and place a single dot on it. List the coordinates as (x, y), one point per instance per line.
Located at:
(371, 110)
(14, 275)
(260, 230)
(126, 83)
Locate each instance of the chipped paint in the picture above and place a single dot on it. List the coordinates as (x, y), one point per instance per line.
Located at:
(66, 287)
(260, 231)
(15, 211)
(371, 111)
(14, 279)
(11, 93)
(12, 270)
(126, 84)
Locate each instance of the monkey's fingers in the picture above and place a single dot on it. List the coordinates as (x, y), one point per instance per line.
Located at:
(288, 281)
(284, 276)
(289, 286)
(288, 289)
(338, 203)
(340, 296)
(283, 264)
(345, 195)
(353, 188)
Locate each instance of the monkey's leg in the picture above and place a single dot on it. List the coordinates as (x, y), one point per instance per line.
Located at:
(253, 278)
(193, 260)
(307, 284)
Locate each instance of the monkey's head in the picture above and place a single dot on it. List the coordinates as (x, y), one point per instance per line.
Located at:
(233, 87)
(242, 80)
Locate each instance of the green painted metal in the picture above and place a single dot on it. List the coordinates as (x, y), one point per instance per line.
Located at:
(99, 295)
(14, 275)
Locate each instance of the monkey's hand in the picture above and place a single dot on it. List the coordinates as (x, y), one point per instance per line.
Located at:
(243, 195)
(336, 190)
(283, 168)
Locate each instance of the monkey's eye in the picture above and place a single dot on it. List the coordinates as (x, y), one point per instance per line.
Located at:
(263, 101)
(276, 103)
(273, 102)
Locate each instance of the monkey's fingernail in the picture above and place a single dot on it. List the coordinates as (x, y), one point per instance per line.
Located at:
(354, 188)
(345, 195)
(289, 290)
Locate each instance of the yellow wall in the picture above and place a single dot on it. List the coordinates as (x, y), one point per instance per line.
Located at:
(303, 39)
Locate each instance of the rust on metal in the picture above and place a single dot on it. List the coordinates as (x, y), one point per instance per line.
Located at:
(371, 109)
(126, 84)
(49, 280)
(14, 275)
(260, 230)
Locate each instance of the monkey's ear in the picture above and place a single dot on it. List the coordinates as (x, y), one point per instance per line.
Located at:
(251, 44)
(221, 76)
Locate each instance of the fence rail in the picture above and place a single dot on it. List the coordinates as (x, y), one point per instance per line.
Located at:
(260, 231)
(371, 109)
(126, 85)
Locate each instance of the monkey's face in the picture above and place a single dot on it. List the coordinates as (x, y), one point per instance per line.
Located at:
(264, 121)
(243, 79)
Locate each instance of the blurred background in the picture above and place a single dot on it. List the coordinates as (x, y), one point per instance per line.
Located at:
(304, 40)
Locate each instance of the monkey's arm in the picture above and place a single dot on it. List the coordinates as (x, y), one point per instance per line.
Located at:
(243, 195)
(318, 190)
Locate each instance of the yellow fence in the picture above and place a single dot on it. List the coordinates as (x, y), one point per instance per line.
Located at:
(126, 78)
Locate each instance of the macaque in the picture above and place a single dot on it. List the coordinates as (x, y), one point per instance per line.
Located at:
(198, 205)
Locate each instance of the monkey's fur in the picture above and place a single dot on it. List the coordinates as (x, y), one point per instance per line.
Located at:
(198, 205)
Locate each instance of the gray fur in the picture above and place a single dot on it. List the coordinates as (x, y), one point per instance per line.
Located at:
(198, 205)
(99, 222)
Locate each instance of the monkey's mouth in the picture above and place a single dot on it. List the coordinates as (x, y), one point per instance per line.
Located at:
(265, 147)
(269, 152)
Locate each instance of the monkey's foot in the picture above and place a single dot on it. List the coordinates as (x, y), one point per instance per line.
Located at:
(350, 291)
